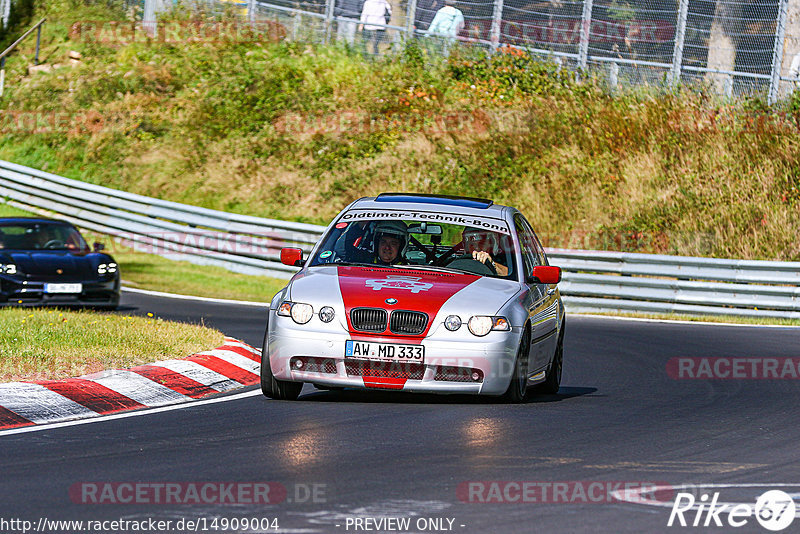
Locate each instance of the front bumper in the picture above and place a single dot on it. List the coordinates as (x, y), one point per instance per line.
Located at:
(451, 361)
(16, 292)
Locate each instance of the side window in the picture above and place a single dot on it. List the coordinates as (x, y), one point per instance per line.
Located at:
(539, 248)
(527, 242)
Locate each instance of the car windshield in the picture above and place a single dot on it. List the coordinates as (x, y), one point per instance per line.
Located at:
(416, 243)
(41, 236)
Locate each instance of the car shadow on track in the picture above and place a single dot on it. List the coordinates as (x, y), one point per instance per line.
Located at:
(398, 397)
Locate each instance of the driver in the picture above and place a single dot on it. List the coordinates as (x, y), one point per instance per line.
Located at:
(391, 241)
(482, 245)
(47, 236)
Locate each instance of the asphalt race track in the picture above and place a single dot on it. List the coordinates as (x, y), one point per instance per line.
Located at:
(341, 456)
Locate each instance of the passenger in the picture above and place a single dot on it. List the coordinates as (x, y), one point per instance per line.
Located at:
(483, 246)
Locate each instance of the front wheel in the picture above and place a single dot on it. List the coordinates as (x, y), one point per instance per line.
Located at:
(518, 387)
(272, 387)
(552, 383)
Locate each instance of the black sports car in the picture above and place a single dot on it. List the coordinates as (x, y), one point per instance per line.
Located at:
(46, 262)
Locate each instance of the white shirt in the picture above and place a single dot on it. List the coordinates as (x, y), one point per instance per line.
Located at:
(373, 12)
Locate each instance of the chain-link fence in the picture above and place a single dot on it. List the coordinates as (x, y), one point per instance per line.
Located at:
(733, 47)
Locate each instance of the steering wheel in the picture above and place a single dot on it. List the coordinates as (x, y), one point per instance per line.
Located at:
(54, 243)
(467, 263)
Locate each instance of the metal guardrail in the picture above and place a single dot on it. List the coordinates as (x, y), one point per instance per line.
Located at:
(240, 243)
(652, 283)
(593, 280)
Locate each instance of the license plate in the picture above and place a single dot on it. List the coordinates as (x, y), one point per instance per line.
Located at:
(63, 288)
(384, 351)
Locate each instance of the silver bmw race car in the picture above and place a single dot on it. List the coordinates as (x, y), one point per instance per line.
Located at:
(423, 293)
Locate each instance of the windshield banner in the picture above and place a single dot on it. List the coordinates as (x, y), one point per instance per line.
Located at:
(487, 223)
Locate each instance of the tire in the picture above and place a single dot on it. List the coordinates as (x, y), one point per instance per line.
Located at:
(517, 390)
(272, 387)
(552, 382)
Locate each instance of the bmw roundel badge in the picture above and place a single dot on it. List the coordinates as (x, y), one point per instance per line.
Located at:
(390, 301)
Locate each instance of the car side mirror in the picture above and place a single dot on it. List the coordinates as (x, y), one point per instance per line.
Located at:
(545, 274)
(98, 247)
(292, 257)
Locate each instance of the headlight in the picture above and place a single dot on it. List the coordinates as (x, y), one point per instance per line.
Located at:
(8, 269)
(452, 323)
(299, 312)
(480, 325)
(107, 268)
(326, 314)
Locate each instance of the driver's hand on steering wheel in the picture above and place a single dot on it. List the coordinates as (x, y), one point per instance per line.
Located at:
(484, 257)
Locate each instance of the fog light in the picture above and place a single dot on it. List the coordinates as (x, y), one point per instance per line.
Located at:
(452, 323)
(326, 314)
(298, 363)
(476, 376)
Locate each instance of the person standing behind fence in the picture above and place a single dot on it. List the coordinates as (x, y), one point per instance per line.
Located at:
(446, 24)
(374, 15)
(423, 16)
(350, 10)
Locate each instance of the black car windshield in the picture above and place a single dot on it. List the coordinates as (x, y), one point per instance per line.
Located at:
(400, 243)
(40, 236)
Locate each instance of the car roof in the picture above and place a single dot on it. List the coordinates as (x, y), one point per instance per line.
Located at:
(18, 220)
(424, 202)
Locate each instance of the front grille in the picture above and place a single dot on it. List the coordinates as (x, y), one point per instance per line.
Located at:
(411, 371)
(368, 319)
(308, 364)
(408, 322)
(457, 374)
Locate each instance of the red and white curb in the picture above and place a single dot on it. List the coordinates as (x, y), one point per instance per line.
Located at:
(233, 365)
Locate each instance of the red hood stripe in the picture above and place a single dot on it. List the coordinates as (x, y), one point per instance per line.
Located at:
(415, 290)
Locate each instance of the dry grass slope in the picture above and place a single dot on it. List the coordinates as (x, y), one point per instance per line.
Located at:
(295, 131)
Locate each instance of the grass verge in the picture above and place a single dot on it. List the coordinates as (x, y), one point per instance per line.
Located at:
(37, 344)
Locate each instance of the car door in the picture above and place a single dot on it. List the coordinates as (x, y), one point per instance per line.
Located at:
(541, 301)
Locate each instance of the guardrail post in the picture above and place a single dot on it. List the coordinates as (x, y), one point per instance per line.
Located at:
(613, 76)
(6, 11)
(2, 75)
(727, 87)
(497, 21)
(411, 14)
(251, 11)
(680, 36)
(777, 53)
(149, 17)
(586, 23)
(329, 4)
(38, 40)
